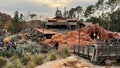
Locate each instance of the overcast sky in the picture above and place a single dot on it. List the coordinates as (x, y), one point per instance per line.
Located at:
(40, 7)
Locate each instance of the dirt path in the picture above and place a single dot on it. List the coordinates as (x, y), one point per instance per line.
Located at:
(70, 62)
(74, 61)
(98, 66)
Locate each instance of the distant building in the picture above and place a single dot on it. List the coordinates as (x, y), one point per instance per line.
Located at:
(59, 21)
(46, 32)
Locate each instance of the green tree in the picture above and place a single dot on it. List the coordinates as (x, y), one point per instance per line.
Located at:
(77, 10)
(115, 20)
(113, 3)
(15, 22)
(33, 16)
(99, 3)
(89, 10)
(71, 12)
(21, 17)
(66, 14)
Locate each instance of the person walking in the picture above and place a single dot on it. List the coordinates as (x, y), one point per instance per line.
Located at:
(56, 45)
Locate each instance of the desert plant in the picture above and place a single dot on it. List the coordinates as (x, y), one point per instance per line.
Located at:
(53, 56)
(17, 63)
(8, 52)
(65, 52)
(4, 53)
(46, 48)
(3, 61)
(10, 65)
(16, 38)
(31, 65)
(62, 54)
(32, 48)
(25, 59)
(14, 57)
(39, 59)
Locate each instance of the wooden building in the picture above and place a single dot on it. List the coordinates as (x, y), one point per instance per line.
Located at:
(44, 33)
(59, 21)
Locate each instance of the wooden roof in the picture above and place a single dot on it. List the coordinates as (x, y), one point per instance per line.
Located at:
(50, 19)
(46, 31)
(70, 19)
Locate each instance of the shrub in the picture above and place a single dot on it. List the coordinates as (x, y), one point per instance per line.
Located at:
(38, 59)
(63, 55)
(3, 61)
(17, 64)
(25, 59)
(65, 52)
(42, 24)
(8, 53)
(10, 65)
(4, 53)
(35, 39)
(53, 56)
(45, 48)
(11, 28)
(14, 57)
(32, 48)
(16, 38)
(31, 65)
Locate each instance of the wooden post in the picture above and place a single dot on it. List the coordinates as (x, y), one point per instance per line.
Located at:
(74, 49)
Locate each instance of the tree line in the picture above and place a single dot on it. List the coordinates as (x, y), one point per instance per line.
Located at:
(104, 12)
(18, 23)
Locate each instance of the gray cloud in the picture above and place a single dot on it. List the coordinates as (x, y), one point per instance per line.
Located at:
(40, 7)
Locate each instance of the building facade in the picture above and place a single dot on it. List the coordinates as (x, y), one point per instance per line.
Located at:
(60, 21)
